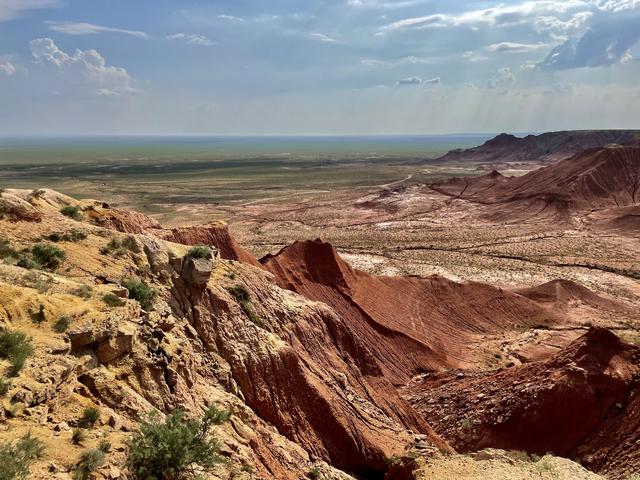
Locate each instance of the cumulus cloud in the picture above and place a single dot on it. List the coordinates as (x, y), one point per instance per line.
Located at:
(6, 68)
(192, 39)
(607, 41)
(409, 81)
(231, 18)
(10, 9)
(86, 67)
(512, 47)
(81, 28)
(432, 81)
(503, 78)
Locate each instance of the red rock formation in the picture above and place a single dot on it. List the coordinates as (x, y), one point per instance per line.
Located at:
(591, 180)
(582, 403)
(411, 324)
(547, 148)
(126, 221)
(216, 234)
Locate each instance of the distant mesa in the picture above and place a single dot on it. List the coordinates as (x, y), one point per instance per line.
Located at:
(545, 148)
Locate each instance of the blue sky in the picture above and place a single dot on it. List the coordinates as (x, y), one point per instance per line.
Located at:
(317, 67)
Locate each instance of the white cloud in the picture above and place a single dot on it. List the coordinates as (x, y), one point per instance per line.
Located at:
(81, 28)
(87, 67)
(10, 9)
(6, 68)
(501, 15)
(432, 81)
(513, 47)
(503, 78)
(321, 37)
(193, 39)
(231, 18)
(410, 81)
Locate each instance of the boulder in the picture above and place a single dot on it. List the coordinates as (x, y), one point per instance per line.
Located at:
(197, 271)
(116, 345)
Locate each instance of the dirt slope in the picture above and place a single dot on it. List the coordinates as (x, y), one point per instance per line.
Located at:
(581, 403)
(411, 324)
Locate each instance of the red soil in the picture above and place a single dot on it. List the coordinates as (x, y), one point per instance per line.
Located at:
(582, 403)
(411, 324)
(592, 180)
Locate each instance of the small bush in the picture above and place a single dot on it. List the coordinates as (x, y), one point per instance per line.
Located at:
(199, 251)
(120, 248)
(173, 448)
(47, 256)
(16, 347)
(78, 436)
(83, 291)
(314, 473)
(90, 461)
(90, 416)
(104, 446)
(16, 458)
(5, 385)
(42, 283)
(40, 316)
(241, 294)
(72, 211)
(113, 300)
(71, 236)
(62, 324)
(141, 292)
(7, 251)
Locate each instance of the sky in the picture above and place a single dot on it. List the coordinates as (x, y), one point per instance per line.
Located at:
(317, 67)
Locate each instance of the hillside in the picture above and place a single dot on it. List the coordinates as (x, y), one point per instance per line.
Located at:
(545, 148)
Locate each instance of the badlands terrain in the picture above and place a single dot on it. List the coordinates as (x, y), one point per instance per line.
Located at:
(484, 326)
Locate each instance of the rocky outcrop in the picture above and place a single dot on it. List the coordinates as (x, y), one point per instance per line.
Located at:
(581, 403)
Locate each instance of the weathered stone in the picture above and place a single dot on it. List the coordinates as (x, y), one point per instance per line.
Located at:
(197, 271)
(117, 345)
(86, 334)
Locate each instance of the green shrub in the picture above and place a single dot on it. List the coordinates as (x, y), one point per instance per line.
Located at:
(173, 448)
(141, 292)
(16, 458)
(7, 251)
(314, 473)
(83, 291)
(241, 294)
(113, 300)
(5, 385)
(104, 446)
(90, 461)
(78, 436)
(70, 236)
(47, 256)
(199, 251)
(62, 324)
(121, 247)
(72, 211)
(90, 416)
(16, 347)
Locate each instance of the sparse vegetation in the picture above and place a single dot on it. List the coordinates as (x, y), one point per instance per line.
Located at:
(16, 458)
(467, 424)
(90, 416)
(70, 236)
(241, 294)
(83, 291)
(199, 251)
(5, 385)
(314, 473)
(42, 283)
(78, 436)
(72, 211)
(104, 446)
(16, 347)
(90, 461)
(40, 316)
(174, 448)
(141, 292)
(121, 247)
(113, 300)
(47, 256)
(62, 324)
